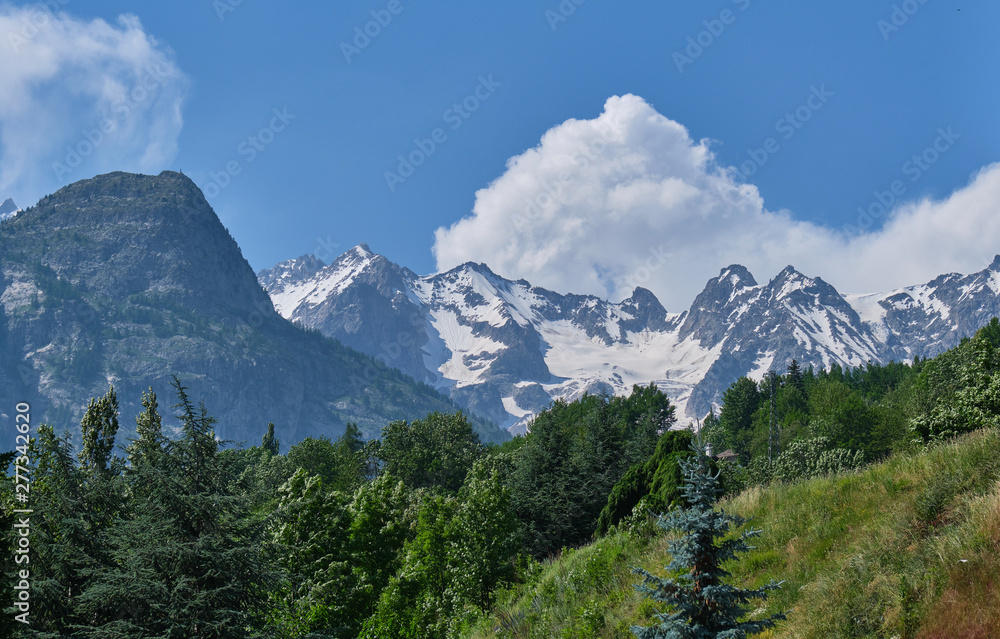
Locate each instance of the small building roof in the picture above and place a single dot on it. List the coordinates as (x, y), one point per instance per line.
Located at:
(726, 454)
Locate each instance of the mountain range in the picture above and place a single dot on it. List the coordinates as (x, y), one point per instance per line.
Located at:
(130, 279)
(506, 349)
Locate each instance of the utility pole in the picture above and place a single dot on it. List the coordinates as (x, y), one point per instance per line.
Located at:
(772, 379)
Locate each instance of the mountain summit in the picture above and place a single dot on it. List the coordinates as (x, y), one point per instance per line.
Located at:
(505, 349)
(8, 209)
(129, 279)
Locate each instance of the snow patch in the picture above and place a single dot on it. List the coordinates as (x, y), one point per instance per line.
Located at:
(994, 282)
(469, 353)
(761, 365)
(510, 405)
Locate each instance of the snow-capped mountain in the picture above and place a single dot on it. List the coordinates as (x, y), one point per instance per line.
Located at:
(8, 209)
(505, 349)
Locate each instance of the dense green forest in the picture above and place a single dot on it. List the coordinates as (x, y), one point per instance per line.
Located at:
(427, 532)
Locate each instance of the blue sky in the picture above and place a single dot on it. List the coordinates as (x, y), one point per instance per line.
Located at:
(894, 77)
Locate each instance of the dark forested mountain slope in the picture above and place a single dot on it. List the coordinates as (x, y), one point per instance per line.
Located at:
(129, 279)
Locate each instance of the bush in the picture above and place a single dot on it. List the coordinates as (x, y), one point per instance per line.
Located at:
(658, 481)
(813, 458)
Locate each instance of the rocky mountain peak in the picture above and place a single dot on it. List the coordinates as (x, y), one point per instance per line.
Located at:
(643, 297)
(709, 315)
(731, 282)
(737, 276)
(283, 273)
(472, 267)
(645, 309)
(8, 209)
(789, 274)
(155, 236)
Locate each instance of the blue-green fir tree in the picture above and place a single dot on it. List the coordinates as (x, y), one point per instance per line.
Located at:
(699, 604)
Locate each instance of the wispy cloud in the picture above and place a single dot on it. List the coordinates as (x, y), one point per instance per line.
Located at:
(81, 97)
(584, 210)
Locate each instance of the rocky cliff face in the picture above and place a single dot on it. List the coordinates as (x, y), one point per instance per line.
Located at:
(506, 349)
(129, 279)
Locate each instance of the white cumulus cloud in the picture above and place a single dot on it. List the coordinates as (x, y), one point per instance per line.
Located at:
(81, 97)
(629, 199)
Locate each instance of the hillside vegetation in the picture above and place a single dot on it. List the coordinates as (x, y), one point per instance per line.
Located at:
(906, 548)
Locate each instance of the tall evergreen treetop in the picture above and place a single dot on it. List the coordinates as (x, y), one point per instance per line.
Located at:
(796, 377)
(701, 605)
(270, 443)
(148, 445)
(99, 426)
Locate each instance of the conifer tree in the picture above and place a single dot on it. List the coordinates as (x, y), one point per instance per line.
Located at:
(795, 376)
(100, 469)
(739, 403)
(74, 506)
(701, 604)
(8, 626)
(148, 448)
(60, 540)
(99, 427)
(183, 561)
(270, 443)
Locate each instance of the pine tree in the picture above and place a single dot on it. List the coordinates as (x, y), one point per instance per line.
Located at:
(148, 448)
(101, 470)
(183, 561)
(701, 604)
(8, 572)
(795, 376)
(270, 443)
(99, 427)
(739, 403)
(59, 560)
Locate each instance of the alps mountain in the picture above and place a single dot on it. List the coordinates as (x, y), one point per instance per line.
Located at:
(505, 349)
(8, 209)
(130, 279)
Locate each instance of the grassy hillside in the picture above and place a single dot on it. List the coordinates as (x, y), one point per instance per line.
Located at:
(906, 548)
